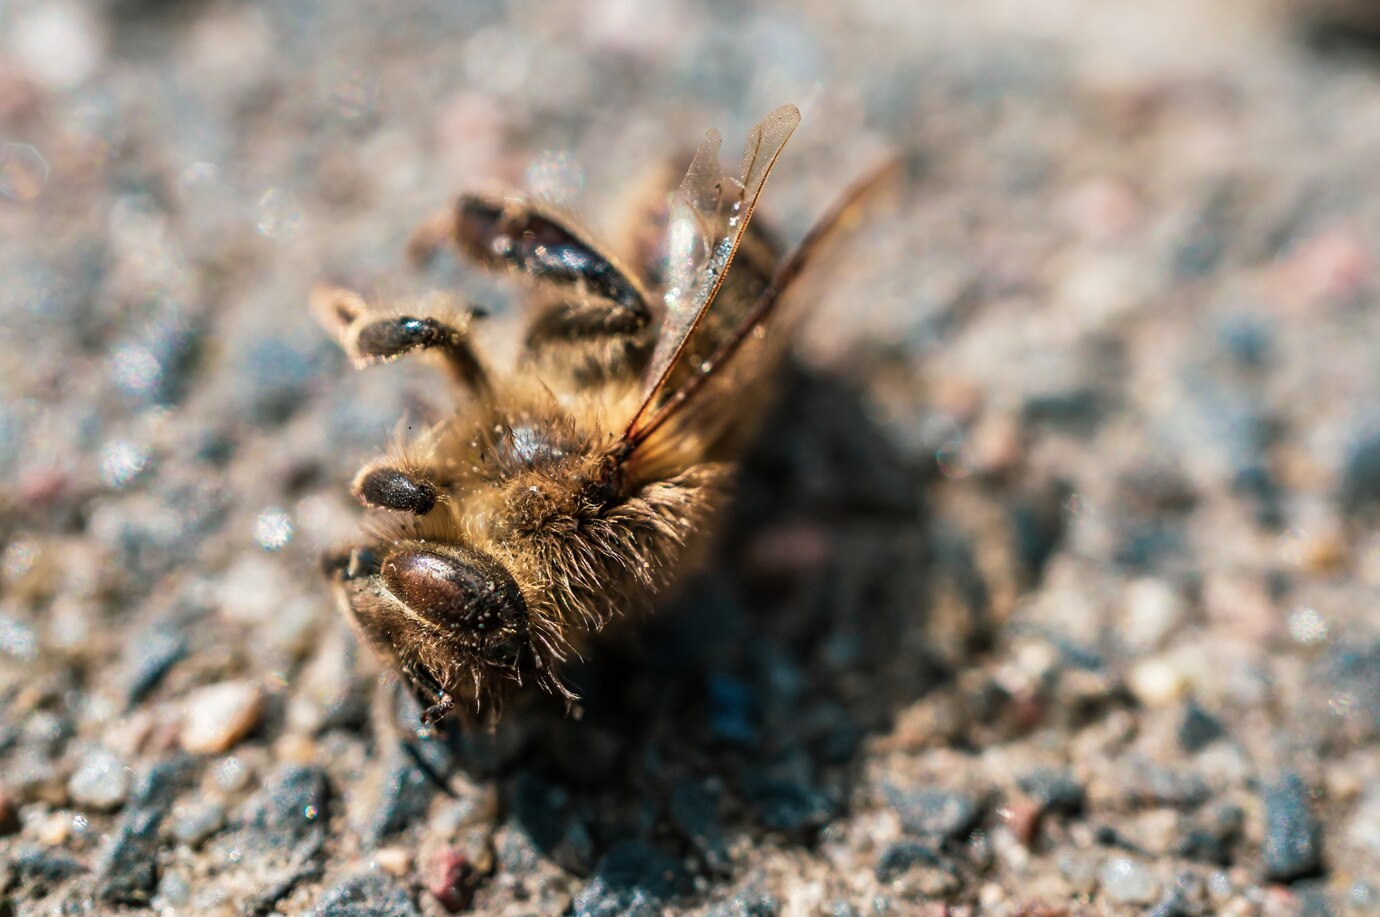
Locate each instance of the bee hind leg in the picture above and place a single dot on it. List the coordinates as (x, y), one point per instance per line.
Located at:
(372, 337)
(590, 316)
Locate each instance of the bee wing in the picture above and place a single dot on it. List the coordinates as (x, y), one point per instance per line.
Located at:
(699, 407)
(708, 217)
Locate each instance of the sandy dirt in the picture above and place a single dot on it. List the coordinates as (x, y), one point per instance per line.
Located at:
(1052, 585)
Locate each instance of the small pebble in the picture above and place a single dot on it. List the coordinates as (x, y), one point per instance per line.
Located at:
(149, 657)
(1360, 473)
(174, 892)
(1364, 829)
(1153, 609)
(1126, 881)
(128, 868)
(404, 797)
(231, 774)
(631, 878)
(100, 781)
(197, 821)
(1157, 682)
(217, 717)
(933, 812)
(394, 860)
(1293, 843)
(372, 895)
(55, 829)
(901, 856)
(1198, 729)
(1055, 790)
(1079, 869)
(452, 881)
(693, 812)
(42, 870)
(290, 808)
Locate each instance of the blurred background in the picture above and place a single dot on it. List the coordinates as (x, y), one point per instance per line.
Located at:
(1052, 588)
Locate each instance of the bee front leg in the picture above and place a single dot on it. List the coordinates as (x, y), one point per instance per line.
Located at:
(384, 485)
(436, 702)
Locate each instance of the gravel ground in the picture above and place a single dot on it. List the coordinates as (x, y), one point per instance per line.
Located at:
(1051, 589)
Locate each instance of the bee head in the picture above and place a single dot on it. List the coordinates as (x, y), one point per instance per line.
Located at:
(451, 617)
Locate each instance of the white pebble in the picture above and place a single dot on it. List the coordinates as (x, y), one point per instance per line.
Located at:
(1157, 682)
(99, 782)
(1364, 830)
(1152, 611)
(1128, 882)
(393, 860)
(60, 44)
(217, 717)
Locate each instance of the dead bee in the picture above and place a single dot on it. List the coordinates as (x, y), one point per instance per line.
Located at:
(576, 487)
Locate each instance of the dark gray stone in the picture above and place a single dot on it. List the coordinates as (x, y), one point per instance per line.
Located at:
(1361, 471)
(633, 879)
(786, 803)
(693, 812)
(1293, 837)
(1054, 790)
(1212, 839)
(148, 658)
(1198, 729)
(290, 808)
(753, 903)
(734, 712)
(1152, 785)
(901, 856)
(128, 871)
(934, 812)
(366, 896)
(41, 870)
(406, 794)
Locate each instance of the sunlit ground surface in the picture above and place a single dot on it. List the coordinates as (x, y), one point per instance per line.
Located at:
(1053, 586)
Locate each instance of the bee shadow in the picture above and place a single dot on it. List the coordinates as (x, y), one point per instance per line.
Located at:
(742, 708)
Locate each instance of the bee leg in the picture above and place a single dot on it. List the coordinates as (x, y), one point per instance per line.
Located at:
(383, 485)
(516, 234)
(438, 711)
(437, 703)
(341, 564)
(581, 295)
(372, 338)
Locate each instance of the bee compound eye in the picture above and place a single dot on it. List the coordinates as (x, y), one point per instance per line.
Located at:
(463, 591)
